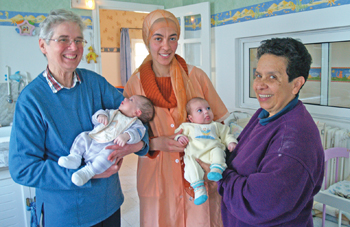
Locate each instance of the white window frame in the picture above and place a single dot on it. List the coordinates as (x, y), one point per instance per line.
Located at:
(202, 9)
(309, 37)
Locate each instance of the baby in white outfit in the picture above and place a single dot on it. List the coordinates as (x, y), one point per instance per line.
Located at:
(206, 140)
(120, 126)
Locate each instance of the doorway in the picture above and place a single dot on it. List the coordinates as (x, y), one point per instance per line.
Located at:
(111, 22)
(194, 43)
(110, 58)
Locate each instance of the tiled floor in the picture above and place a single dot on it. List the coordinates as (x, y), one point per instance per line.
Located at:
(130, 209)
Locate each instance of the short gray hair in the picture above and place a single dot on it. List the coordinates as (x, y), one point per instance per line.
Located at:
(56, 17)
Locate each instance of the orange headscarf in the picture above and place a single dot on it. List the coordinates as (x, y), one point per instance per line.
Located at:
(180, 81)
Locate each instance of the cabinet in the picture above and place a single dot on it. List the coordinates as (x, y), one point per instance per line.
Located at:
(13, 196)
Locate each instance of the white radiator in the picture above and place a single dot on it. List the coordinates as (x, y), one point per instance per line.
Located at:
(333, 136)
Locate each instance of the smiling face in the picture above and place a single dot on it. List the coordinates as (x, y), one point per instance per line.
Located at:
(163, 43)
(63, 59)
(271, 85)
(201, 112)
(130, 106)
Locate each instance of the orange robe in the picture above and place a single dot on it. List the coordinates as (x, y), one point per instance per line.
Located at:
(163, 199)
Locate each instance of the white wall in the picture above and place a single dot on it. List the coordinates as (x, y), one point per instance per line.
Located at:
(22, 53)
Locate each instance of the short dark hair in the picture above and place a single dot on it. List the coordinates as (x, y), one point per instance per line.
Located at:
(188, 105)
(298, 58)
(147, 109)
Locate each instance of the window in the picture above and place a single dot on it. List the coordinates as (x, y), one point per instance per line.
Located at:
(327, 90)
(138, 53)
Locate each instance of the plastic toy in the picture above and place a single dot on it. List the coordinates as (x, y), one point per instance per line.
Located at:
(91, 55)
(25, 28)
(17, 77)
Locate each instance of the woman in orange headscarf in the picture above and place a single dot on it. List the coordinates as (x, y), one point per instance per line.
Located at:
(166, 199)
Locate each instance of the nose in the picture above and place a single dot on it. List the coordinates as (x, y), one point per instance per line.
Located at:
(166, 44)
(260, 84)
(72, 45)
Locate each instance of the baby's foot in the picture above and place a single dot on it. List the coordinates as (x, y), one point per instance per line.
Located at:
(71, 161)
(200, 195)
(82, 176)
(215, 173)
(200, 192)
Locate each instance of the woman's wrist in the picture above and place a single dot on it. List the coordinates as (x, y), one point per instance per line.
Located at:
(152, 153)
(151, 143)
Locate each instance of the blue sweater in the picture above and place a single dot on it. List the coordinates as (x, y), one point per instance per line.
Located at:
(274, 172)
(44, 127)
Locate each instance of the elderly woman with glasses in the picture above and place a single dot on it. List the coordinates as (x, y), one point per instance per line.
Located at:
(50, 112)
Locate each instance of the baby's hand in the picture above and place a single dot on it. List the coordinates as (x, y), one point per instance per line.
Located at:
(103, 119)
(122, 139)
(183, 140)
(231, 146)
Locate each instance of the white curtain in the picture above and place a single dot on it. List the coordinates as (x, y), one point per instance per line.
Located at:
(125, 56)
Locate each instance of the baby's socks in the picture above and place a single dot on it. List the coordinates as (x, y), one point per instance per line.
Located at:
(215, 173)
(200, 192)
(71, 161)
(82, 176)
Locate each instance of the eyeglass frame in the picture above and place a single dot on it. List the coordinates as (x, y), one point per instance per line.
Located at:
(83, 41)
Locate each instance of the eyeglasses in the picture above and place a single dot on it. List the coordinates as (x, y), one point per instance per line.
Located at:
(67, 42)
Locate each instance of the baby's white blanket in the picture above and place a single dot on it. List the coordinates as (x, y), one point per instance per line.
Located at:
(117, 124)
(341, 188)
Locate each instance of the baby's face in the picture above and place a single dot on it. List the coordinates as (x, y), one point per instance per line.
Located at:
(129, 106)
(201, 112)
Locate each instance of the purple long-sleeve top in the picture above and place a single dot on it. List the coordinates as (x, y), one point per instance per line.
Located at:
(274, 172)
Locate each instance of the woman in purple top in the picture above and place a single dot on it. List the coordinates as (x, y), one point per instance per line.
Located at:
(277, 166)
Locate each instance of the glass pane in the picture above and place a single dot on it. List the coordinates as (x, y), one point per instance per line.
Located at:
(339, 64)
(253, 63)
(311, 91)
(193, 54)
(179, 50)
(192, 26)
(179, 19)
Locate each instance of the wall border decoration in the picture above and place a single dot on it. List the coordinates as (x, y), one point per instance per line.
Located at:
(314, 74)
(340, 74)
(253, 12)
(270, 9)
(11, 18)
(110, 49)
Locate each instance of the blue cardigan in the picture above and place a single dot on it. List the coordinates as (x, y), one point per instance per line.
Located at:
(44, 127)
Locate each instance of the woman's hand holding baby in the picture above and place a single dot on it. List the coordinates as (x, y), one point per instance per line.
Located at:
(110, 171)
(119, 152)
(231, 146)
(167, 143)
